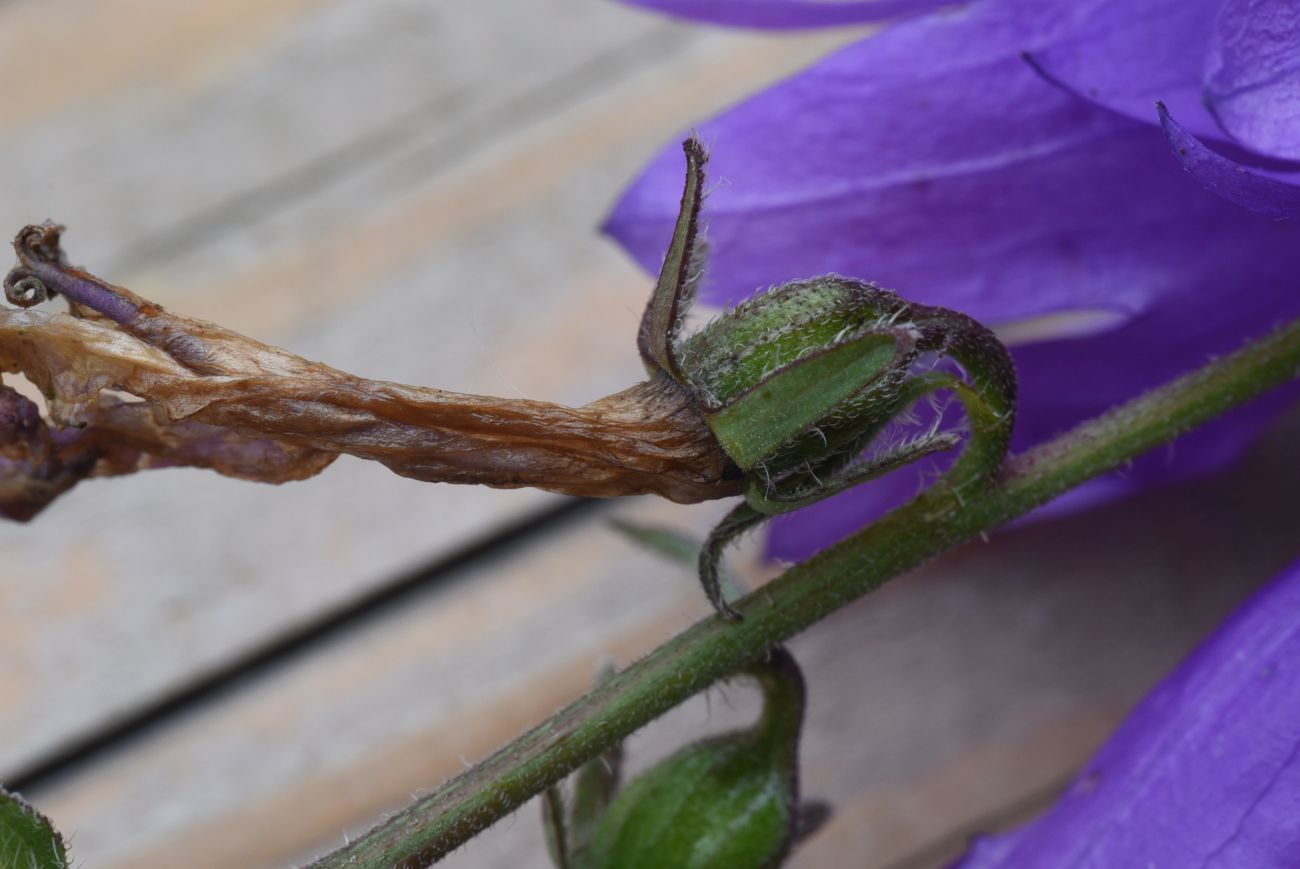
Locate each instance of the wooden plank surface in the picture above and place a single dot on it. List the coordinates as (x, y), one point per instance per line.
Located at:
(407, 190)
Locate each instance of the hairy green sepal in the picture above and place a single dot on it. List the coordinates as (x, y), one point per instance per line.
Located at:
(674, 292)
(756, 424)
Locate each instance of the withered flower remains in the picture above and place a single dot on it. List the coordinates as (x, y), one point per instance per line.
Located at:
(214, 398)
(783, 399)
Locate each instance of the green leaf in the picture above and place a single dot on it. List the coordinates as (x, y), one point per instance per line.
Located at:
(555, 827)
(705, 558)
(795, 397)
(673, 545)
(724, 803)
(27, 838)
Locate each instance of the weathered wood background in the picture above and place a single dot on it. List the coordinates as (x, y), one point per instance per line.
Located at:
(208, 673)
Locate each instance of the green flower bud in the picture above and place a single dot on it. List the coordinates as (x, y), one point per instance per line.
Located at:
(27, 838)
(729, 802)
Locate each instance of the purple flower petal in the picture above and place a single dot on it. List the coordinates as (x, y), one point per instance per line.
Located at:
(1275, 194)
(789, 14)
(932, 160)
(1252, 79)
(913, 159)
(1125, 55)
(1205, 772)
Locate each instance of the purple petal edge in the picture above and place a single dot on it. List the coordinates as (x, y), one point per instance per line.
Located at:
(788, 14)
(1268, 193)
(1204, 772)
(1252, 78)
(1124, 55)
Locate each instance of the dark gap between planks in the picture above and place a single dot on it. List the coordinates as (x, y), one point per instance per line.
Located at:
(292, 644)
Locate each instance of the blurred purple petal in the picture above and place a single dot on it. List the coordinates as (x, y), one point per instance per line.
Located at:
(1275, 194)
(932, 160)
(1125, 56)
(789, 14)
(1252, 79)
(1205, 772)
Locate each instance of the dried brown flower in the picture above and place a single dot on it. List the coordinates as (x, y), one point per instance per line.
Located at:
(205, 396)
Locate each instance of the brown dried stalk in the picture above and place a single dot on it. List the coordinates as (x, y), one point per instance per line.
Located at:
(212, 398)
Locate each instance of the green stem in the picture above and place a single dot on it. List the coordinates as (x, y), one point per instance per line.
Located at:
(713, 649)
(785, 697)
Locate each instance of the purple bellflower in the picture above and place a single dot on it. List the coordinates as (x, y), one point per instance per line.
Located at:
(1006, 158)
(1205, 772)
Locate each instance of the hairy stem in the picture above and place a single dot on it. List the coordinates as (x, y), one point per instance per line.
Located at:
(713, 649)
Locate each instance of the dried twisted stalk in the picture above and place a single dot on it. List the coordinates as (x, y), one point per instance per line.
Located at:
(212, 398)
